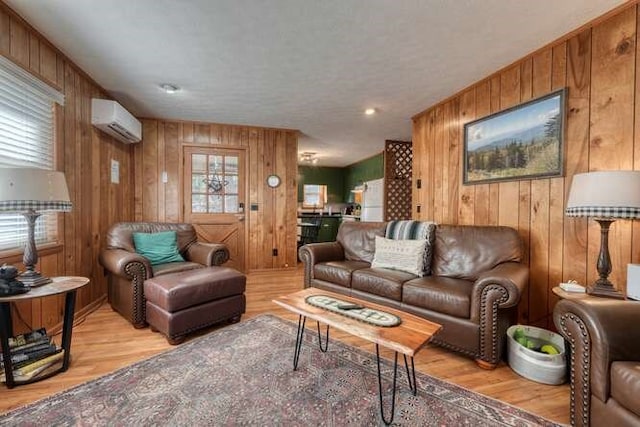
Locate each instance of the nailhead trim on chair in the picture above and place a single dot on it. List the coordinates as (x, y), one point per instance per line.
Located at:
(137, 272)
(220, 257)
(586, 363)
(204, 325)
(494, 358)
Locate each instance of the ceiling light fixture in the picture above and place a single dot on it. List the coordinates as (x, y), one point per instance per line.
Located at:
(370, 111)
(308, 157)
(169, 88)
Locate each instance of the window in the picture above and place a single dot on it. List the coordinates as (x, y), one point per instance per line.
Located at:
(26, 140)
(214, 183)
(315, 196)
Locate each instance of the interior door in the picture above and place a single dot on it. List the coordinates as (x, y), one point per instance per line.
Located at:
(214, 197)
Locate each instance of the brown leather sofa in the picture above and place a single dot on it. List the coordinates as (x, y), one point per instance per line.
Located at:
(476, 280)
(127, 270)
(604, 340)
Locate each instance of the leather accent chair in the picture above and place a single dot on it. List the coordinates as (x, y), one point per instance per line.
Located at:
(604, 339)
(475, 284)
(127, 270)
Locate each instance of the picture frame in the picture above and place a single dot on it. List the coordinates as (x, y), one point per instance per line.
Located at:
(523, 142)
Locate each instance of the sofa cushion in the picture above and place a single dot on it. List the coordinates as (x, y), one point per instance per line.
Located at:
(358, 239)
(338, 272)
(625, 385)
(380, 281)
(174, 267)
(441, 294)
(402, 255)
(415, 230)
(465, 251)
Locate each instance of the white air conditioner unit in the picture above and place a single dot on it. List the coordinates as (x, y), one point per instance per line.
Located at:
(112, 118)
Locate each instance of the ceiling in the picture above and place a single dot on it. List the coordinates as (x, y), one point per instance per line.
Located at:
(301, 64)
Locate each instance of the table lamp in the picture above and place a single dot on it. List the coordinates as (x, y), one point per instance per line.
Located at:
(31, 192)
(605, 196)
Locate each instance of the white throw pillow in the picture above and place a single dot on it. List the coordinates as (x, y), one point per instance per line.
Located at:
(403, 255)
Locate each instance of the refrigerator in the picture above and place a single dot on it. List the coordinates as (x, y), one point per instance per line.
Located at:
(373, 201)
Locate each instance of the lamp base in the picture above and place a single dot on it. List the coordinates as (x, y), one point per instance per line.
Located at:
(33, 278)
(604, 290)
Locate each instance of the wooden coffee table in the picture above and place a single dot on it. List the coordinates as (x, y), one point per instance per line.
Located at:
(407, 338)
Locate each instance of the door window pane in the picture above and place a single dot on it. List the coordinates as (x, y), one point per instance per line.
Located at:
(232, 186)
(198, 203)
(215, 164)
(198, 183)
(215, 204)
(216, 184)
(231, 164)
(231, 204)
(198, 163)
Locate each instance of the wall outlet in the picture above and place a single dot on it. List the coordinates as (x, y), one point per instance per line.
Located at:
(275, 252)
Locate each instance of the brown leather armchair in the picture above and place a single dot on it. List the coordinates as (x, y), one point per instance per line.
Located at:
(604, 341)
(127, 270)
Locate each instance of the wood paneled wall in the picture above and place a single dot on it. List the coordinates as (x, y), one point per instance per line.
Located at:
(270, 151)
(599, 65)
(84, 154)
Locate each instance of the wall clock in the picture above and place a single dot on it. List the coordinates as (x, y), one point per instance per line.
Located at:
(273, 181)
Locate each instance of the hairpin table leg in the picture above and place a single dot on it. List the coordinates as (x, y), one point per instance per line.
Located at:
(393, 396)
(326, 341)
(299, 335)
(412, 384)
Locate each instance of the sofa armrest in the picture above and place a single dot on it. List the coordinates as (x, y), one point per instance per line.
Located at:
(208, 253)
(600, 331)
(503, 285)
(314, 253)
(119, 262)
(498, 288)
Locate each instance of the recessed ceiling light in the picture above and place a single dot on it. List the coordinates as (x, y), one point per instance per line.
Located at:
(370, 111)
(169, 88)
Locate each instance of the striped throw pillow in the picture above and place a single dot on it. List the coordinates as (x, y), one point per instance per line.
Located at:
(415, 230)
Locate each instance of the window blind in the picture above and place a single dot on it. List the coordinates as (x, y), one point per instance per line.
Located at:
(26, 140)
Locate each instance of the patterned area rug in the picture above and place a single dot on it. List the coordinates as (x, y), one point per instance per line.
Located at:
(242, 375)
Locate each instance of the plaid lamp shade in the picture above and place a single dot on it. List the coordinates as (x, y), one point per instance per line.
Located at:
(605, 194)
(41, 190)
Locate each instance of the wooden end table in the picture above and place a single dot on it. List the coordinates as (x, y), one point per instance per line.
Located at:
(407, 338)
(557, 290)
(59, 285)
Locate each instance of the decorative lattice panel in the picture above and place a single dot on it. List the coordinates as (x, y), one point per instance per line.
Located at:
(398, 157)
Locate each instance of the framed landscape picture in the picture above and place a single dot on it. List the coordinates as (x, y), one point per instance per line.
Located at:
(523, 142)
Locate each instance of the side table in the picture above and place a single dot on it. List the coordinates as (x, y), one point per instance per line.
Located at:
(59, 285)
(569, 295)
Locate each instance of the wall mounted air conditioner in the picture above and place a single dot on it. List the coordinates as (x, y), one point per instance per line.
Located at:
(112, 118)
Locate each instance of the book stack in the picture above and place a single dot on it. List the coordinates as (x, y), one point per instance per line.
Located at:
(31, 354)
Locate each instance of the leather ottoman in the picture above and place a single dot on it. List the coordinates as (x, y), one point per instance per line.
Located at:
(183, 302)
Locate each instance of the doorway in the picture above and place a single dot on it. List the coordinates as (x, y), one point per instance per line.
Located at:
(214, 197)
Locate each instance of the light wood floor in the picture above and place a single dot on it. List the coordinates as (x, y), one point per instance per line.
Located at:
(105, 342)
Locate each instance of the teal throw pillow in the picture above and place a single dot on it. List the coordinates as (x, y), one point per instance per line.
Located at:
(158, 248)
